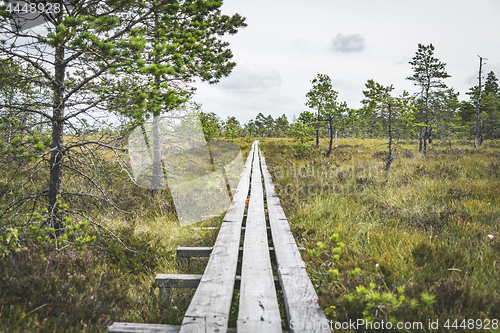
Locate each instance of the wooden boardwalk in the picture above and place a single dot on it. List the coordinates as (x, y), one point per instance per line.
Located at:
(258, 303)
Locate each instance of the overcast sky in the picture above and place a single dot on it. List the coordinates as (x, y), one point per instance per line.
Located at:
(287, 42)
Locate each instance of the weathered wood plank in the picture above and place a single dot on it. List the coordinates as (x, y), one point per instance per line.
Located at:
(178, 280)
(148, 328)
(192, 252)
(204, 252)
(301, 304)
(193, 281)
(204, 228)
(142, 328)
(168, 281)
(209, 309)
(258, 309)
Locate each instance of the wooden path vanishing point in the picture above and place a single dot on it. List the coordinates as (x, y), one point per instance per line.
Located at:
(258, 310)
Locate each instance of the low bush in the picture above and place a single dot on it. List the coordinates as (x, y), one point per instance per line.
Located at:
(58, 291)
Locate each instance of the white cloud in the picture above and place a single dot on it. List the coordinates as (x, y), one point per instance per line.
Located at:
(348, 43)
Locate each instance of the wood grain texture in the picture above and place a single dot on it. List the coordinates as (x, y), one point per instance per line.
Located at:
(148, 328)
(301, 300)
(209, 309)
(258, 309)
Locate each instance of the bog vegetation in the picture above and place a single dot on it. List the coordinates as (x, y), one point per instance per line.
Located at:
(418, 243)
(397, 201)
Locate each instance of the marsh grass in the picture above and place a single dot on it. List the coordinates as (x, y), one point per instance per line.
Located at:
(431, 225)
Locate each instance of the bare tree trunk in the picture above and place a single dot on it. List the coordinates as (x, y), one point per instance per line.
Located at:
(481, 135)
(426, 130)
(330, 125)
(157, 165)
(389, 157)
(425, 141)
(317, 130)
(420, 140)
(57, 147)
(477, 142)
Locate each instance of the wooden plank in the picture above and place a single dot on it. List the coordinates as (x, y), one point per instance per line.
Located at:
(204, 252)
(237, 208)
(142, 328)
(120, 327)
(204, 228)
(209, 309)
(191, 252)
(193, 281)
(301, 300)
(243, 228)
(178, 280)
(148, 328)
(258, 309)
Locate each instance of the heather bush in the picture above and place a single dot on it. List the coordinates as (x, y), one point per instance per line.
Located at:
(59, 291)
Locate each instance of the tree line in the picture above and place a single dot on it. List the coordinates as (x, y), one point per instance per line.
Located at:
(432, 112)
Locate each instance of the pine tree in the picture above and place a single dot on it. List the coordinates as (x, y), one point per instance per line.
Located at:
(211, 125)
(232, 128)
(281, 126)
(428, 74)
(323, 98)
(490, 107)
